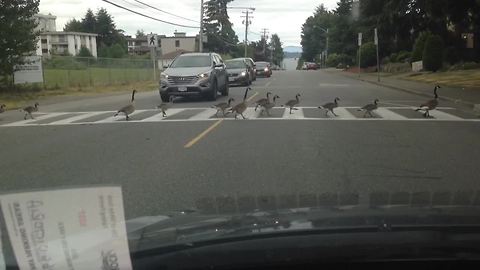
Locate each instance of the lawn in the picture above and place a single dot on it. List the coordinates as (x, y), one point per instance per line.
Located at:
(60, 78)
(460, 78)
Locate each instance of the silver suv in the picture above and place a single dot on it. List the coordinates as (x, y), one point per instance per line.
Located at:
(194, 74)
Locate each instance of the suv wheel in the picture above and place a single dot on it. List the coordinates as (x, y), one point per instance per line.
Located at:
(213, 93)
(165, 97)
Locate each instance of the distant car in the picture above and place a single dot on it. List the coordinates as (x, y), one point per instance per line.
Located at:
(263, 69)
(252, 69)
(194, 74)
(238, 72)
(312, 66)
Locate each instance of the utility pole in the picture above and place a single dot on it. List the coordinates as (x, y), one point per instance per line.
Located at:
(265, 36)
(359, 53)
(200, 43)
(378, 57)
(247, 22)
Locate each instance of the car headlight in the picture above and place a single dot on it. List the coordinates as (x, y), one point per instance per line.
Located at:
(243, 74)
(164, 76)
(266, 69)
(204, 75)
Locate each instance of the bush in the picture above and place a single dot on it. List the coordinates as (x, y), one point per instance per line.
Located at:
(397, 67)
(403, 57)
(433, 53)
(418, 48)
(84, 52)
(369, 55)
(335, 60)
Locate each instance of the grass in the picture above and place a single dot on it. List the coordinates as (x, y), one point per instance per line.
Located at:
(460, 78)
(55, 78)
(19, 99)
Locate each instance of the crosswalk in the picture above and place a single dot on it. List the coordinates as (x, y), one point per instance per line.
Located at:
(208, 114)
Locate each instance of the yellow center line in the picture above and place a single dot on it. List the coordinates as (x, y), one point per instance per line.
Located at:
(203, 134)
(254, 95)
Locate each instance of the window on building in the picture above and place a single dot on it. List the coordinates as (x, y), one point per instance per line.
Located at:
(177, 43)
(44, 50)
(44, 41)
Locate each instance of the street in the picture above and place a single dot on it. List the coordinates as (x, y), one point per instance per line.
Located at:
(194, 160)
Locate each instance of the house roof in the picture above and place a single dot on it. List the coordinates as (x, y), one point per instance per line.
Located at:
(174, 54)
(68, 33)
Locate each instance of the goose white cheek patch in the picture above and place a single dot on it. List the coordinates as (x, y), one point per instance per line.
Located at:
(71, 229)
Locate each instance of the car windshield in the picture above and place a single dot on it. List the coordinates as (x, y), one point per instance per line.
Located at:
(261, 64)
(188, 61)
(235, 64)
(129, 125)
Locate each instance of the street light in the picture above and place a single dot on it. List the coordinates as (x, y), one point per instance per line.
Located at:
(326, 47)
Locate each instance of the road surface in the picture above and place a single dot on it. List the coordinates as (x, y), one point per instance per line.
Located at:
(193, 160)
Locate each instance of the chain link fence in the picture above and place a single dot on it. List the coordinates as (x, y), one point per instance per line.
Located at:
(68, 71)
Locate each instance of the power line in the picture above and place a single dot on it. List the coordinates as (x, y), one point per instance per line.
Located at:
(146, 16)
(166, 12)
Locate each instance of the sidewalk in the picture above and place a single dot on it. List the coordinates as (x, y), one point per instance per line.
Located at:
(469, 98)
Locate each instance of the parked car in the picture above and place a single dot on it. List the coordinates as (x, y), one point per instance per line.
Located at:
(312, 66)
(263, 69)
(252, 68)
(238, 72)
(194, 74)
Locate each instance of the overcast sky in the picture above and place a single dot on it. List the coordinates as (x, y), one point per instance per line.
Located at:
(284, 17)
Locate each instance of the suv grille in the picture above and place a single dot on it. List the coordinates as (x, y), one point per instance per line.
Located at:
(182, 80)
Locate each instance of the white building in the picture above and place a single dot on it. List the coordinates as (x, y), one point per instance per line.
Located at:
(179, 42)
(53, 42)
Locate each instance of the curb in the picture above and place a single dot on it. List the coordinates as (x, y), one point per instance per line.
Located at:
(465, 103)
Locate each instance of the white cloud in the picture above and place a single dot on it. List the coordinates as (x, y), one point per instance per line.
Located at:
(284, 17)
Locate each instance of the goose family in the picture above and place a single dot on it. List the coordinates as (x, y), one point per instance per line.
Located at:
(328, 107)
(30, 109)
(128, 109)
(369, 108)
(268, 106)
(262, 101)
(223, 106)
(242, 106)
(292, 103)
(2, 108)
(164, 106)
(431, 104)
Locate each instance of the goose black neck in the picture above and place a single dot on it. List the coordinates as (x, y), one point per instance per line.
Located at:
(133, 96)
(245, 96)
(435, 91)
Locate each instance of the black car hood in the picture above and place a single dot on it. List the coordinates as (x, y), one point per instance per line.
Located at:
(236, 70)
(190, 227)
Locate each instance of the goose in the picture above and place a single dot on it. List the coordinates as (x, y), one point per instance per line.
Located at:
(369, 108)
(291, 103)
(2, 108)
(267, 107)
(128, 109)
(262, 101)
(30, 109)
(241, 107)
(328, 107)
(164, 106)
(431, 104)
(222, 107)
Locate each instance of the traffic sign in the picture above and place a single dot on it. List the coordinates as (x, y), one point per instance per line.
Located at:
(359, 39)
(152, 40)
(376, 37)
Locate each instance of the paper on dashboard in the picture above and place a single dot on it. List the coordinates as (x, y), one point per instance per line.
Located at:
(81, 228)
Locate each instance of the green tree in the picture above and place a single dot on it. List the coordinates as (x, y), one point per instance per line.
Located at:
(84, 52)
(217, 26)
(89, 22)
(369, 55)
(140, 34)
(277, 50)
(314, 34)
(116, 51)
(18, 36)
(73, 26)
(433, 53)
(419, 46)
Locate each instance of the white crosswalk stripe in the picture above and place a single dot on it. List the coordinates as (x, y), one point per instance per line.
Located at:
(208, 114)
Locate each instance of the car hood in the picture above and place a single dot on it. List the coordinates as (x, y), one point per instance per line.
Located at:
(186, 71)
(187, 227)
(236, 70)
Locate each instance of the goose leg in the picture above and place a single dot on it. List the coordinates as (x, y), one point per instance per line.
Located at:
(333, 113)
(256, 107)
(236, 114)
(243, 116)
(25, 117)
(290, 110)
(164, 114)
(268, 112)
(326, 113)
(31, 116)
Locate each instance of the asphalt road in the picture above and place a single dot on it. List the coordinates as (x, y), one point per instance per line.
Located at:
(251, 164)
